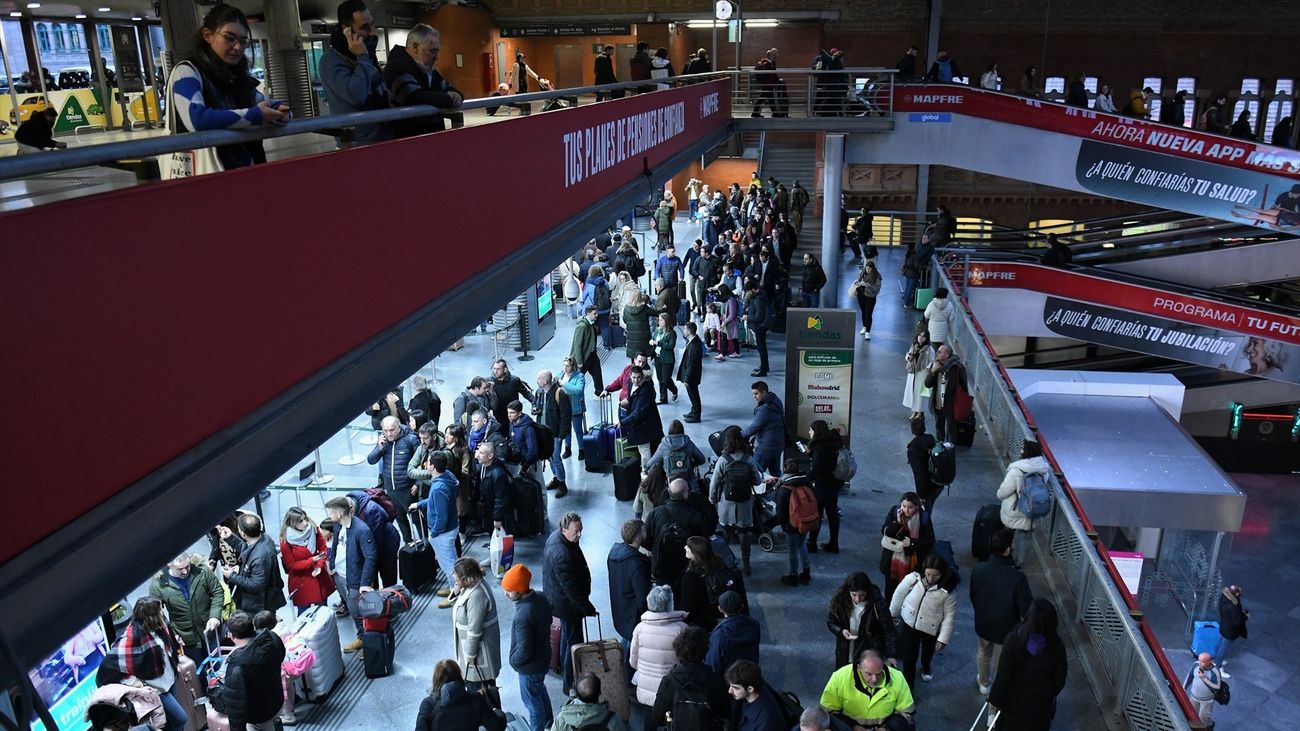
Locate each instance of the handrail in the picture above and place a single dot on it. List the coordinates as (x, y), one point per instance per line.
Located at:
(976, 255)
(1102, 603)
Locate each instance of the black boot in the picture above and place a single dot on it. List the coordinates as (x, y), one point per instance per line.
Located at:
(744, 553)
(806, 576)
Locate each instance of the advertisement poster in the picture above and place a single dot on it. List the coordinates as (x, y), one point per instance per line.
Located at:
(825, 389)
(1165, 181)
(66, 679)
(1208, 346)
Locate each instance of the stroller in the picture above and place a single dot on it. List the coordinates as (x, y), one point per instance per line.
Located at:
(765, 521)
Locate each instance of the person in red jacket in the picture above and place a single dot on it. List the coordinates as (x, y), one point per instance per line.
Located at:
(304, 552)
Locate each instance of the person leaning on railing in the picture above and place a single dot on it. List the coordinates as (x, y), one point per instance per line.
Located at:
(213, 89)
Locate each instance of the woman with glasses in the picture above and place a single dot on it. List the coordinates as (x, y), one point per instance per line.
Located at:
(213, 89)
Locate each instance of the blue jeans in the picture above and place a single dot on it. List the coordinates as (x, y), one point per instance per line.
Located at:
(812, 299)
(579, 428)
(176, 715)
(797, 543)
(444, 550)
(557, 463)
(694, 207)
(1221, 651)
(769, 460)
(532, 690)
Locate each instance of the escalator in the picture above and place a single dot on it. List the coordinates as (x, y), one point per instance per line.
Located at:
(1014, 296)
(1200, 174)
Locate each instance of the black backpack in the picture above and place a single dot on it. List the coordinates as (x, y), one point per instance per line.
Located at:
(545, 441)
(737, 480)
(691, 710)
(601, 298)
(670, 546)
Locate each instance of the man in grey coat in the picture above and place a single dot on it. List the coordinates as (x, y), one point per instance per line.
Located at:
(349, 71)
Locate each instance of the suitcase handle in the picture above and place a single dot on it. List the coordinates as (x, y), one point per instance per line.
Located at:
(606, 409)
(600, 636)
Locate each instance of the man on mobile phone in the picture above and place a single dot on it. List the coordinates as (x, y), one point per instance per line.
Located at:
(350, 72)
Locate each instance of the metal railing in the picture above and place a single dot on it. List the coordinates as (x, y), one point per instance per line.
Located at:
(804, 93)
(1147, 692)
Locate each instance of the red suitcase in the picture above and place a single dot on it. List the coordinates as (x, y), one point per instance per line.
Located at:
(555, 646)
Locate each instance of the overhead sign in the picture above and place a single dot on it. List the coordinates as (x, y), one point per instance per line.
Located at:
(820, 347)
(1094, 125)
(1213, 347)
(577, 29)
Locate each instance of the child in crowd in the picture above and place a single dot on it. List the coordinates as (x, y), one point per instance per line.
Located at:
(712, 323)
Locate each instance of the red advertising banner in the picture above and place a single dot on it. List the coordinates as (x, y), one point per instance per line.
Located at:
(1093, 125)
(199, 300)
(1137, 298)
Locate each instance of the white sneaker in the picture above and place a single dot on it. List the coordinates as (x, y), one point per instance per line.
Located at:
(866, 336)
(863, 331)
(927, 677)
(984, 687)
(1225, 674)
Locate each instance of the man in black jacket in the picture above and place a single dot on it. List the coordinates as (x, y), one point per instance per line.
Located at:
(814, 278)
(568, 579)
(1000, 595)
(252, 694)
(553, 408)
(689, 369)
(629, 580)
(507, 387)
(412, 80)
(256, 581)
(493, 486)
(604, 68)
(530, 643)
(918, 458)
(667, 528)
(425, 406)
(759, 317)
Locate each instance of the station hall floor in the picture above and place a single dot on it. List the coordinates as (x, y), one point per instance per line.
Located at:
(797, 648)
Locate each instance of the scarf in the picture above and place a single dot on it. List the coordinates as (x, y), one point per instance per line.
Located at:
(903, 563)
(305, 538)
(139, 653)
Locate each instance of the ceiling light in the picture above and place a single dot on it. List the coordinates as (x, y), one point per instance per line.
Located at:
(703, 23)
(762, 23)
(105, 10)
(15, 14)
(33, 6)
(137, 19)
(80, 16)
(1108, 245)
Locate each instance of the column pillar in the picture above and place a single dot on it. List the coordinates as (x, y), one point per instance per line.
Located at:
(923, 171)
(180, 23)
(832, 193)
(286, 62)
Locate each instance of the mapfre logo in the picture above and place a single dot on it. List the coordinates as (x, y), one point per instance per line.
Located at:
(978, 276)
(709, 105)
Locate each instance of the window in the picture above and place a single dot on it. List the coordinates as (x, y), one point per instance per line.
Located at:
(57, 32)
(1247, 102)
(1156, 85)
(1278, 108)
(74, 37)
(105, 41)
(1090, 83)
(1188, 85)
(1054, 84)
(43, 37)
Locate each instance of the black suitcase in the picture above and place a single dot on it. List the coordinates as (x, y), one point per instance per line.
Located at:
(529, 514)
(377, 649)
(963, 432)
(627, 478)
(987, 522)
(943, 463)
(417, 567)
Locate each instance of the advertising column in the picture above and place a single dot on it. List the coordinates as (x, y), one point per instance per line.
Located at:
(819, 367)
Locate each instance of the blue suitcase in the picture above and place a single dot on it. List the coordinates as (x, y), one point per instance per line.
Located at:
(1205, 638)
(598, 442)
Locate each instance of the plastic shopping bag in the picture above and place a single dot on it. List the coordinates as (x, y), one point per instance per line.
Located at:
(502, 551)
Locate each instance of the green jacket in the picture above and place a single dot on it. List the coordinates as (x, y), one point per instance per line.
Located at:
(636, 321)
(666, 344)
(415, 468)
(189, 616)
(575, 714)
(584, 341)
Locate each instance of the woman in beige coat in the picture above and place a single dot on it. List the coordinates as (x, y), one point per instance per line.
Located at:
(477, 633)
(1031, 461)
(652, 652)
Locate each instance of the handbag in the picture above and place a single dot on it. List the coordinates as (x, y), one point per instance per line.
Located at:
(488, 689)
(1223, 696)
(891, 544)
(186, 163)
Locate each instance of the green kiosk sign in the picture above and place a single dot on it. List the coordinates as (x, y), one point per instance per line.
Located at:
(820, 346)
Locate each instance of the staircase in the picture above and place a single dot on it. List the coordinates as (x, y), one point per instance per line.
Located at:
(788, 162)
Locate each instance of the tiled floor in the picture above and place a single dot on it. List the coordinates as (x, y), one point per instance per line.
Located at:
(797, 649)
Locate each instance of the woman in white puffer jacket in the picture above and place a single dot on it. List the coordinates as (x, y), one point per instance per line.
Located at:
(1031, 461)
(652, 654)
(925, 601)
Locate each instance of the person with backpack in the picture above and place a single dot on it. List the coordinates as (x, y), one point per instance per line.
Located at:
(694, 694)
(928, 609)
(736, 637)
(824, 449)
(732, 490)
(1000, 596)
(586, 712)
(798, 515)
(907, 537)
(1025, 480)
(596, 294)
(704, 582)
(678, 456)
(667, 527)
(1032, 671)
(918, 459)
(525, 444)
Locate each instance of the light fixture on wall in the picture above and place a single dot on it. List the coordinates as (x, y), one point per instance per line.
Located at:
(762, 23)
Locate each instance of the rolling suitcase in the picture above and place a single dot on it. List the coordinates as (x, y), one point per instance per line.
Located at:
(598, 442)
(604, 658)
(417, 567)
(377, 648)
(622, 449)
(1205, 638)
(530, 516)
(964, 432)
(188, 691)
(555, 646)
(987, 522)
(627, 477)
(316, 627)
(923, 297)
